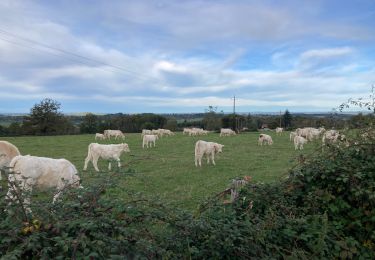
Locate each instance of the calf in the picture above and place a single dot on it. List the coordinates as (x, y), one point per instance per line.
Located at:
(206, 148)
(105, 151)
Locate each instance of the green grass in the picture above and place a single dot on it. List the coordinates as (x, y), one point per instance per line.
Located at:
(168, 171)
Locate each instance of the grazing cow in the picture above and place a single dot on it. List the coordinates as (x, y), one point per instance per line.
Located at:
(299, 141)
(310, 133)
(265, 139)
(146, 132)
(167, 132)
(7, 152)
(149, 139)
(99, 136)
(208, 149)
(330, 136)
(279, 130)
(305, 132)
(105, 151)
(186, 131)
(115, 133)
(227, 132)
(41, 172)
(334, 137)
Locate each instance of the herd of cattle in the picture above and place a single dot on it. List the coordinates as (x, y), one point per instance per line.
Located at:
(32, 171)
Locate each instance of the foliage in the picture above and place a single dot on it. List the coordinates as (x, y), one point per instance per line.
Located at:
(171, 124)
(46, 119)
(89, 124)
(212, 119)
(287, 119)
(233, 121)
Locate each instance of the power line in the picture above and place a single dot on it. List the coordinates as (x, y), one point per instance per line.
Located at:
(65, 52)
(55, 54)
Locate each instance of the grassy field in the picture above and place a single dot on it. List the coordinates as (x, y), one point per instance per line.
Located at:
(168, 171)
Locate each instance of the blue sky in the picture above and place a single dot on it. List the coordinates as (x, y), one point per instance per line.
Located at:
(183, 56)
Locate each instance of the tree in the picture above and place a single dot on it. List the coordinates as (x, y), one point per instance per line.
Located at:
(211, 119)
(89, 124)
(171, 124)
(45, 118)
(287, 119)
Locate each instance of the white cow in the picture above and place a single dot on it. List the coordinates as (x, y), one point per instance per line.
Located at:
(334, 137)
(299, 141)
(265, 139)
(167, 132)
(227, 132)
(99, 136)
(292, 135)
(115, 133)
(145, 132)
(27, 172)
(149, 139)
(208, 149)
(105, 151)
(7, 152)
(279, 130)
(186, 131)
(330, 136)
(305, 132)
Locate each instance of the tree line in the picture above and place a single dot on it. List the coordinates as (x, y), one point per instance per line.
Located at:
(45, 118)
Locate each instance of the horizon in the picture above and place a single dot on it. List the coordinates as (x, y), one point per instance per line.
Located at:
(181, 57)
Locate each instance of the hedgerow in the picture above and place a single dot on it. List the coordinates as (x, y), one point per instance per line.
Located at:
(325, 208)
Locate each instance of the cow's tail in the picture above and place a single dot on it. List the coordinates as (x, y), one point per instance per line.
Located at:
(89, 152)
(197, 150)
(13, 163)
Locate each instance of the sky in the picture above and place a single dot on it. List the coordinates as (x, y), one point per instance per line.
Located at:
(185, 55)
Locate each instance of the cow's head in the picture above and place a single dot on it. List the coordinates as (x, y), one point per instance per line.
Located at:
(218, 148)
(125, 147)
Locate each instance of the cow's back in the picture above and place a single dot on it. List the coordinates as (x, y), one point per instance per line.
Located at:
(45, 172)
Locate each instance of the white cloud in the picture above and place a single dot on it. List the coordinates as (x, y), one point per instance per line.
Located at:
(326, 53)
(181, 73)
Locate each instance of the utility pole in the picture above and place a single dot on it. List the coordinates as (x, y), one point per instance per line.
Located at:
(280, 118)
(234, 114)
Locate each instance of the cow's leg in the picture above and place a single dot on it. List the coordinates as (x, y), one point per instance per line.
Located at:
(57, 195)
(86, 162)
(26, 193)
(95, 163)
(109, 166)
(213, 158)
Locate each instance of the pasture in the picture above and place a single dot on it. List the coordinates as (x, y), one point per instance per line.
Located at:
(168, 171)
